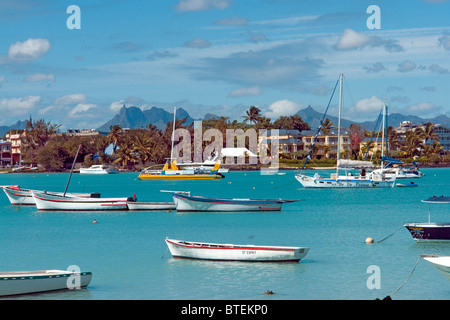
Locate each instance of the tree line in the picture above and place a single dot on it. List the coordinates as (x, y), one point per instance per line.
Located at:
(42, 144)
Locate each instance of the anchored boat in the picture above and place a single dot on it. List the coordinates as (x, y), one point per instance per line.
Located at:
(430, 231)
(336, 180)
(52, 202)
(24, 282)
(171, 171)
(98, 169)
(233, 252)
(186, 203)
(21, 196)
(150, 206)
(442, 263)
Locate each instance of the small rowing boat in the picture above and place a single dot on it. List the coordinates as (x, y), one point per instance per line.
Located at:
(24, 282)
(150, 206)
(21, 196)
(233, 252)
(52, 202)
(187, 203)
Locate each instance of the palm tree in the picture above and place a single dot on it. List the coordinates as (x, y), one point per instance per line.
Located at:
(431, 149)
(413, 144)
(143, 146)
(326, 126)
(393, 139)
(326, 148)
(115, 136)
(126, 154)
(252, 114)
(428, 132)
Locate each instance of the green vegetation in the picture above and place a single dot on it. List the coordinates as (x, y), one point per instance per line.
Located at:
(41, 144)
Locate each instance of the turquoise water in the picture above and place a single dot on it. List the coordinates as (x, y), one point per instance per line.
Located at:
(129, 259)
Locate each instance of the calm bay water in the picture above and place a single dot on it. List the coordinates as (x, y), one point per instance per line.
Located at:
(129, 259)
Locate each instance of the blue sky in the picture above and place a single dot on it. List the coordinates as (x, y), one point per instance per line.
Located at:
(221, 57)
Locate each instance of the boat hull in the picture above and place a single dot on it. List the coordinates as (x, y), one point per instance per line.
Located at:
(25, 282)
(98, 170)
(150, 206)
(442, 264)
(188, 203)
(46, 202)
(180, 176)
(429, 231)
(313, 182)
(230, 252)
(18, 196)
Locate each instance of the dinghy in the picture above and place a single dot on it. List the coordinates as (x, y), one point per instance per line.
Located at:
(233, 252)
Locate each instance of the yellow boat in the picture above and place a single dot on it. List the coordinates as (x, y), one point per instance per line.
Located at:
(171, 171)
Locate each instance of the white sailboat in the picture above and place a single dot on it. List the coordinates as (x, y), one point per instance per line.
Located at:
(387, 164)
(337, 180)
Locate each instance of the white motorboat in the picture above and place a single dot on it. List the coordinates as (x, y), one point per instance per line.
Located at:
(24, 282)
(150, 206)
(52, 202)
(442, 263)
(186, 203)
(21, 196)
(233, 252)
(98, 169)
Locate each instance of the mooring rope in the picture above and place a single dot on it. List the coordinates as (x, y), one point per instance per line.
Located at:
(412, 271)
(389, 235)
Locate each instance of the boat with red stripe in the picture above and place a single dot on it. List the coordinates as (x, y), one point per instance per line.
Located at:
(234, 252)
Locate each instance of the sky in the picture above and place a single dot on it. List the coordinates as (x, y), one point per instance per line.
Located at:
(77, 68)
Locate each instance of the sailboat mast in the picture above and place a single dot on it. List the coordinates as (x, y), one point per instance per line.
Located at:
(382, 135)
(173, 132)
(339, 126)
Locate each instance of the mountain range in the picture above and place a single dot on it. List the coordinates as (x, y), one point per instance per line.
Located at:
(313, 118)
(134, 117)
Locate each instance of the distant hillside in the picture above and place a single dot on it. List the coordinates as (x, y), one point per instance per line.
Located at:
(20, 125)
(312, 117)
(134, 117)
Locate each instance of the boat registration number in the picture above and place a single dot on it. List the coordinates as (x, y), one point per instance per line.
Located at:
(248, 252)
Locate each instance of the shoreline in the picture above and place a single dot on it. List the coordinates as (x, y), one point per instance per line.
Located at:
(231, 168)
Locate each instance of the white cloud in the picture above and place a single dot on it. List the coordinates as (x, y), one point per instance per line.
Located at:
(406, 66)
(422, 107)
(30, 49)
(40, 77)
(198, 43)
(202, 5)
(283, 108)
(367, 106)
(117, 105)
(351, 40)
(70, 99)
(80, 109)
(233, 21)
(18, 106)
(245, 92)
